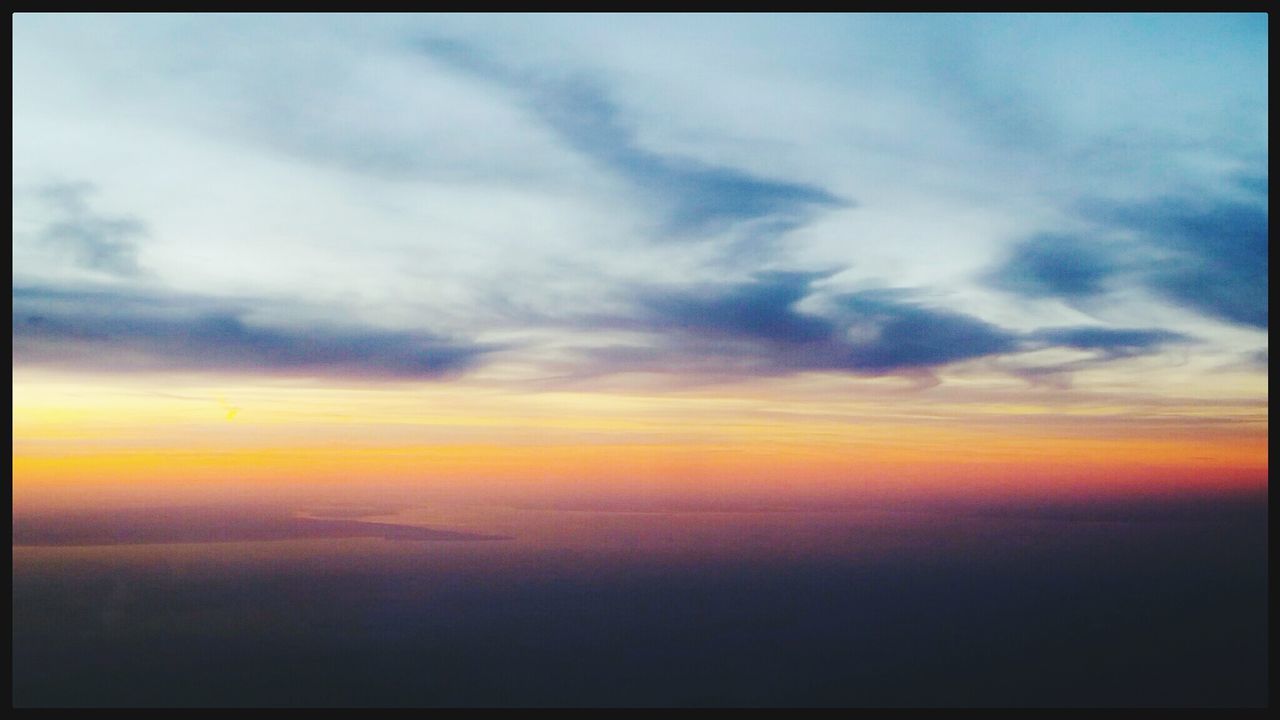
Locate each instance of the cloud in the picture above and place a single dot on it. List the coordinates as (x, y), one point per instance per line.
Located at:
(696, 197)
(1054, 265)
(118, 331)
(1110, 342)
(761, 310)
(89, 239)
(1218, 263)
(756, 327)
(749, 328)
(1210, 256)
(901, 334)
(511, 182)
(1106, 344)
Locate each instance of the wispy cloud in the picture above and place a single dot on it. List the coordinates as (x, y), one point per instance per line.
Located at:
(760, 310)
(695, 198)
(103, 330)
(757, 327)
(1056, 265)
(553, 179)
(85, 237)
(1218, 252)
(1205, 255)
(1110, 342)
(901, 334)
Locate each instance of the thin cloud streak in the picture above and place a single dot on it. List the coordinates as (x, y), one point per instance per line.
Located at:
(698, 198)
(107, 330)
(756, 328)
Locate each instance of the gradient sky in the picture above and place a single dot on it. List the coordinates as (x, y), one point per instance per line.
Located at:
(648, 256)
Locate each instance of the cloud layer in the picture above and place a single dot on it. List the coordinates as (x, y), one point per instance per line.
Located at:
(1209, 257)
(107, 330)
(757, 327)
(695, 197)
(399, 197)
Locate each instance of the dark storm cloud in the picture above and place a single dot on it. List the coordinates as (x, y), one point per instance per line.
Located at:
(91, 240)
(697, 197)
(1207, 256)
(112, 330)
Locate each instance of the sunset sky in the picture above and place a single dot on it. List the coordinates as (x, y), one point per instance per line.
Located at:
(638, 259)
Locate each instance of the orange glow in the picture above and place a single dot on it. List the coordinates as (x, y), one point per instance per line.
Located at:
(77, 442)
(980, 467)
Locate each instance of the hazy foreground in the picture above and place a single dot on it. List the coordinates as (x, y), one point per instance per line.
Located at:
(1114, 605)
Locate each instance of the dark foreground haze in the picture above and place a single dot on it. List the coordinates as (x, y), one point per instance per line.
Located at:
(1080, 606)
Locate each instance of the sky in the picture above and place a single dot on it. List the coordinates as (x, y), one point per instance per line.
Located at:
(854, 258)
